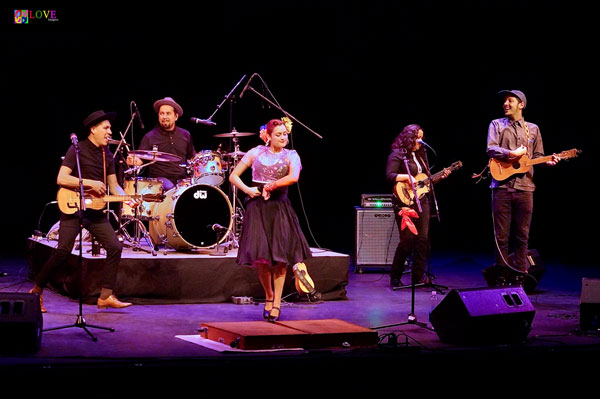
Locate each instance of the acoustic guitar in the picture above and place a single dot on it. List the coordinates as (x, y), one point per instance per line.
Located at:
(305, 284)
(405, 193)
(68, 200)
(502, 170)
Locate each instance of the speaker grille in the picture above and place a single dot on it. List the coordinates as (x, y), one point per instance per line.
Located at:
(376, 236)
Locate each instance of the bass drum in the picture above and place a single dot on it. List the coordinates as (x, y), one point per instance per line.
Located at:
(192, 217)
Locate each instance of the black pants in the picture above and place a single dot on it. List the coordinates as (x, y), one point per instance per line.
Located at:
(512, 212)
(101, 229)
(417, 245)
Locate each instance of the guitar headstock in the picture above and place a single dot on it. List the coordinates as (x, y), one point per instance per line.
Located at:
(456, 165)
(569, 154)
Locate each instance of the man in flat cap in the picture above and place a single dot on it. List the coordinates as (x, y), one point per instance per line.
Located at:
(97, 172)
(170, 138)
(509, 139)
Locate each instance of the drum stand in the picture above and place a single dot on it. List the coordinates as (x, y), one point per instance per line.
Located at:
(139, 227)
(237, 212)
(139, 232)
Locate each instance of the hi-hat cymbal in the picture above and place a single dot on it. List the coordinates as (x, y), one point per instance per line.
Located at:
(233, 134)
(155, 156)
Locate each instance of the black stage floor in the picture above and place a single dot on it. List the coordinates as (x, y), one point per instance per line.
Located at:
(147, 350)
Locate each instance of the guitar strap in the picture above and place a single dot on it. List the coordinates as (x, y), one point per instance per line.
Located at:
(104, 164)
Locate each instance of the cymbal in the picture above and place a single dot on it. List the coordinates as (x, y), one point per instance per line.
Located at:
(155, 155)
(233, 134)
(235, 154)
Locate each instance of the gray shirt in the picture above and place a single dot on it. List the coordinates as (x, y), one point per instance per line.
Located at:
(505, 136)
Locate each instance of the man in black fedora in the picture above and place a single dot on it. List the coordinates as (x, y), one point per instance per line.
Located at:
(98, 173)
(170, 138)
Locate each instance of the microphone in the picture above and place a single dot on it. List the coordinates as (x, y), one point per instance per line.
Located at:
(137, 113)
(247, 85)
(202, 121)
(216, 227)
(422, 142)
(74, 139)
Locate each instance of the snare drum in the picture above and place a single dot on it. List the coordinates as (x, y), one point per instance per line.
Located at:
(146, 185)
(192, 217)
(207, 169)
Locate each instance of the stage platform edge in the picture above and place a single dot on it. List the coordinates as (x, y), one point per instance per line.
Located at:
(180, 277)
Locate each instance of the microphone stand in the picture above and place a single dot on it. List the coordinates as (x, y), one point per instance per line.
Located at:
(139, 229)
(80, 322)
(439, 288)
(285, 112)
(412, 318)
(227, 97)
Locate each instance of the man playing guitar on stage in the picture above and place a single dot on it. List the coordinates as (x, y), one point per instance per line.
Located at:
(510, 138)
(98, 172)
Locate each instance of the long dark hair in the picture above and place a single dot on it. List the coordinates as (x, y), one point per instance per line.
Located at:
(407, 138)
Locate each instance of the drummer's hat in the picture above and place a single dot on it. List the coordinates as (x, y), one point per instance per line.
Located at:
(168, 101)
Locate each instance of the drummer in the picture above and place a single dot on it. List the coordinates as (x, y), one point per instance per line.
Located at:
(170, 138)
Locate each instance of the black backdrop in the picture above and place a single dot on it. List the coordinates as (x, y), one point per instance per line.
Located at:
(354, 72)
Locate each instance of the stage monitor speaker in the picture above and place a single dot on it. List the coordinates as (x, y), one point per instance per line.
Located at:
(376, 236)
(21, 322)
(479, 316)
(589, 305)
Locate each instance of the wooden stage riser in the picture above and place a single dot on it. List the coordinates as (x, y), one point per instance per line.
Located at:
(306, 334)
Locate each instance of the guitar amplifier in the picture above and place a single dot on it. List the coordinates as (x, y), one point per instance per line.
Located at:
(376, 201)
(376, 236)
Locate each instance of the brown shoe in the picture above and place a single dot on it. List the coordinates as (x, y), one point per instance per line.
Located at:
(42, 308)
(112, 302)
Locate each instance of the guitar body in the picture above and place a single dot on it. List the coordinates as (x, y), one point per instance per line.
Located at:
(405, 194)
(68, 201)
(502, 170)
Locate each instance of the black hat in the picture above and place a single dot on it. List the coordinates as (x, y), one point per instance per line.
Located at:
(96, 117)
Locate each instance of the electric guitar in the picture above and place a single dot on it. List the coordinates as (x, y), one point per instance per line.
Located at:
(304, 284)
(502, 170)
(68, 200)
(405, 193)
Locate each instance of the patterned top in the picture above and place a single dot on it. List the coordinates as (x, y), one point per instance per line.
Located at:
(267, 166)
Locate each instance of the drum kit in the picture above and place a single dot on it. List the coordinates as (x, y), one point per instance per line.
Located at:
(195, 214)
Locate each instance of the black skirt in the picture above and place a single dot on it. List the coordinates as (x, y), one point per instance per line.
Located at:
(271, 231)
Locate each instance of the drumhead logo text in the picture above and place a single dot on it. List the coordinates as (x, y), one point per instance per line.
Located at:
(23, 17)
(201, 194)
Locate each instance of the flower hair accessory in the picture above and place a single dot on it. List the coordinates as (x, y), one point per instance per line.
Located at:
(288, 124)
(263, 134)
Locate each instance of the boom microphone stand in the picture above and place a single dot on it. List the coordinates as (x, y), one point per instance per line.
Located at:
(280, 108)
(412, 318)
(80, 322)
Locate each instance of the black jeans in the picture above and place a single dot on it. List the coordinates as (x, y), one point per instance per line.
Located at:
(512, 211)
(417, 245)
(101, 229)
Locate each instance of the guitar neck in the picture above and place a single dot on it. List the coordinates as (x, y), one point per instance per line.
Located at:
(543, 159)
(118, 198)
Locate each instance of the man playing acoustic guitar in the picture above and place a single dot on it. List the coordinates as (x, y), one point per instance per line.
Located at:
(510, 139)
(98, 172)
